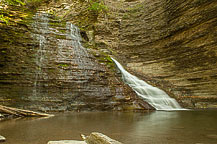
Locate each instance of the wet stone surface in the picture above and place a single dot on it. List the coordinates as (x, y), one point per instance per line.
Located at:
(49, 70)
(171, 44)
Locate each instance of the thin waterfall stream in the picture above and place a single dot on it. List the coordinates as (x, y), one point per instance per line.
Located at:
(152, 95)
(72, 63)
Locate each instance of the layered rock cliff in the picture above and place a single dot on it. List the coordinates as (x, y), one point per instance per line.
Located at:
(169, 44)
(44, 66)
(172, 44)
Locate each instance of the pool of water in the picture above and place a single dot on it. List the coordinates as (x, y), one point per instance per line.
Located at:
(159, 127)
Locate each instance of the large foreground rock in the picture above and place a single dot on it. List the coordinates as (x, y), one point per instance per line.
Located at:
(94, 138)
(67, 142)
(2, 139)
(99, 138)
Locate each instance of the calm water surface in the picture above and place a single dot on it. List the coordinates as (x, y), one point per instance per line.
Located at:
(182, 127)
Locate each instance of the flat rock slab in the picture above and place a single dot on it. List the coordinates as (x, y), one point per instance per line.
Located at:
(67, 142)
(2, 139)
(99, 138)
(93, 138)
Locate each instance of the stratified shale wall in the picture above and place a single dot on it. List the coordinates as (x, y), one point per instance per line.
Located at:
(173, 43)
(43, 66)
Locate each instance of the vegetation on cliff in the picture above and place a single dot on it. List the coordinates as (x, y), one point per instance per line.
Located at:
(13, 11)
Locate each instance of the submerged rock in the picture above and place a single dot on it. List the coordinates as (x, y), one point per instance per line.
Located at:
(212, 136)
(2, 139)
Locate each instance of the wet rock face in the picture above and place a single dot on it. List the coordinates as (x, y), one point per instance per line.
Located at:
(46, 68)
(174, 41)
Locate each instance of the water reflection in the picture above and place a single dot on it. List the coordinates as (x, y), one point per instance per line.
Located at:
(139, 128)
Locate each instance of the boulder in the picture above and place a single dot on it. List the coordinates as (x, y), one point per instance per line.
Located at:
(94, 138)
(67, 142)
(2, 139)
(99, 138)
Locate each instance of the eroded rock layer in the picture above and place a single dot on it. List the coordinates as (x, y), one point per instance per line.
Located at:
(45, 67)
(171, 43)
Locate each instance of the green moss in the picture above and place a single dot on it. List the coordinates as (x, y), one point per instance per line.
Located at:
(97, 6)
(3, 51)
(125, 16)
(60, 36)
(63, 65)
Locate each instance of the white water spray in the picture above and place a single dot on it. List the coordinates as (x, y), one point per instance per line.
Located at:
(152, 95)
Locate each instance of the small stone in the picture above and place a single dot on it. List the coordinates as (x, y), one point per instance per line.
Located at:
(64, 3)
(67, 8)
(67, 142)
(2, 139)
(212, 136)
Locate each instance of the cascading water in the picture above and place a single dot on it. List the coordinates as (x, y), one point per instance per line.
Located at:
(63, 71)
(153, 95)
(42, 22)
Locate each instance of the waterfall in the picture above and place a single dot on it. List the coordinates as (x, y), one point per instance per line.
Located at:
(41, 28)
(152, 95)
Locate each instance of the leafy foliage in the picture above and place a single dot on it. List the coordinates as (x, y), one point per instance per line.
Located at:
(4, 18)
(14, 10)
(13, 2)
(97, 6)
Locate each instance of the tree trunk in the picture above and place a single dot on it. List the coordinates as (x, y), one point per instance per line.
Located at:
(21, 113)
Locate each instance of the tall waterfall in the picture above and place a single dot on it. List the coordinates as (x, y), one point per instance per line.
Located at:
(152, 95)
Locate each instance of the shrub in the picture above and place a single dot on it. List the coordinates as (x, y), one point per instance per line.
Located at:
(97, 6)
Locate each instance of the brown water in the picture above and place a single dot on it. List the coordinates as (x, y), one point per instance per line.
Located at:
(182, 127)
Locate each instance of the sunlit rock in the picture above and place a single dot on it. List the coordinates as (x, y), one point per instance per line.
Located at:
(67, 142)
(93, 138)
(2, 139)
(99, 138)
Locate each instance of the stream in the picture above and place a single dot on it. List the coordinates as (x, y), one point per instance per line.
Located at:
(158, 127)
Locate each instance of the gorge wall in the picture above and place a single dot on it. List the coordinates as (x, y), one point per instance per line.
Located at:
(43, 66)
(171, 44)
